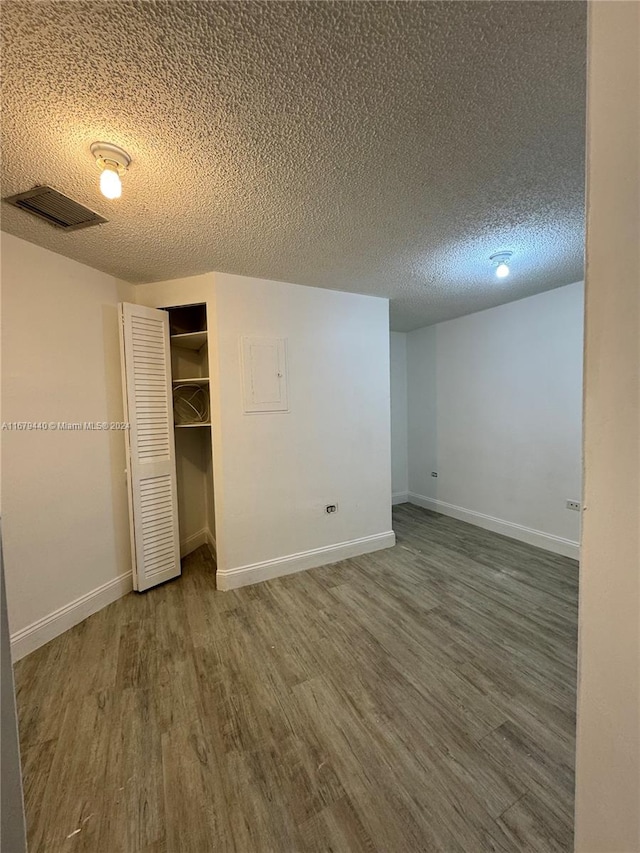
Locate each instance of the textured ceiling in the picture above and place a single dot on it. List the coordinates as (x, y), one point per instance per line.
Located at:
(379, 147)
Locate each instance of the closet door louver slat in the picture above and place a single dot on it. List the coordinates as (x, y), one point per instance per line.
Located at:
(151, 467)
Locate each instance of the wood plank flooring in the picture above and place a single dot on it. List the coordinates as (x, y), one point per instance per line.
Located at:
(416, 699)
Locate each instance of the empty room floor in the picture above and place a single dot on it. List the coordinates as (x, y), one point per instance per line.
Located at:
(416, 699)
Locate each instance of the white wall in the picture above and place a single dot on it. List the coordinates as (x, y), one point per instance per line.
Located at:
(65, 522)
(494, 403)
(608, 748)
(280, 470)
(191, 477)
(399, 457)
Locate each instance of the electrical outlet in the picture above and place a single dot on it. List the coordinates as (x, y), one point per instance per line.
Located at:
(330, 508)
(573, 505)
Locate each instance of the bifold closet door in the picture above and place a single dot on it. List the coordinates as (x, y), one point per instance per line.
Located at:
(151, 464)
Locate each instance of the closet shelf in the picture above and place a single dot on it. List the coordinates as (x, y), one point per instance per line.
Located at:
(194, 380)
(182, 426)
(190, 340)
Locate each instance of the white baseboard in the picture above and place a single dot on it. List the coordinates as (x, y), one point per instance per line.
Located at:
(191, 543)
(38, 633)
(556, 544)
(399, 498)
(256, 572)
(194, 541)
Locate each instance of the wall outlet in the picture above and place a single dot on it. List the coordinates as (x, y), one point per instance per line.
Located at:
(331, 508)
(434, 473)
(573, 505)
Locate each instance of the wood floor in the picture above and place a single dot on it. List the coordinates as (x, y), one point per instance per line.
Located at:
(416, 699)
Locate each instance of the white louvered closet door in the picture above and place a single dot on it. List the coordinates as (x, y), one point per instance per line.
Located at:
(151, 464)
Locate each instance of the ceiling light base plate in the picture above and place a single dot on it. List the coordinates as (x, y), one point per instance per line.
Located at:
(105, 152)
(500, 258)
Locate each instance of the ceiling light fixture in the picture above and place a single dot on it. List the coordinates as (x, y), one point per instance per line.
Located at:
(113, 163)
(500, 260)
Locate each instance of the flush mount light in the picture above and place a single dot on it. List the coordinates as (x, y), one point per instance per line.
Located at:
(113, 163)
(500, 260)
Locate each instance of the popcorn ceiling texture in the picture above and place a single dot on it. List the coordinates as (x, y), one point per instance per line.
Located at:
(378, 147)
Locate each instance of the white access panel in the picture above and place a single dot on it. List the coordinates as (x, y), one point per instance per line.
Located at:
(151, 464)
(264, 375)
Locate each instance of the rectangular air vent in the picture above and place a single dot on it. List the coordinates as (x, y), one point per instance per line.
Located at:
(55, 208)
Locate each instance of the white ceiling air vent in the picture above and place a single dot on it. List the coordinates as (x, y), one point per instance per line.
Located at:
(55, 208)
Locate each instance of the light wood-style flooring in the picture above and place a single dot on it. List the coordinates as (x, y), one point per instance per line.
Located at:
(416, 699)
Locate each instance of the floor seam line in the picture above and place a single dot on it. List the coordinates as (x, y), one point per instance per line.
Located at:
(514, 803)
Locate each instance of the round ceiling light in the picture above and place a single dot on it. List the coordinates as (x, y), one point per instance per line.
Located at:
(113, 163)
(501, 260)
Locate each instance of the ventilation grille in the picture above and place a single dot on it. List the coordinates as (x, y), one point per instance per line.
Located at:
(55, 208)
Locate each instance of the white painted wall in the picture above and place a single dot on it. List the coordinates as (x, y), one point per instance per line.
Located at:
(399, 455)
(494, 407)
(65, 522)
(608, 747)
(191, 476)
(280, 470)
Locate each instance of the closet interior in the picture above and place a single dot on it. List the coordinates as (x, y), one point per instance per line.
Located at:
(188, 330)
